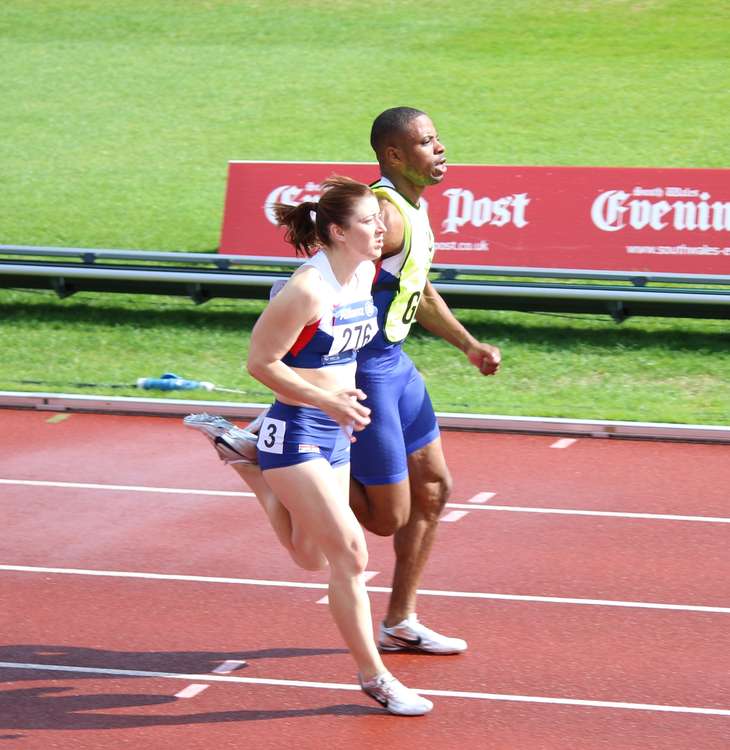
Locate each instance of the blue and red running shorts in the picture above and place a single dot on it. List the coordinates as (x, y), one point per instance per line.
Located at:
(402, 416)
(291, 435)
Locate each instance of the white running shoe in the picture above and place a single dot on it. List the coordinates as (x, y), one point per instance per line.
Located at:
(411, 635)
(395, 696)
(234, 445)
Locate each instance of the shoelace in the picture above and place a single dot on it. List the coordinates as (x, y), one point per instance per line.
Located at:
(422, 630)
(388, 684)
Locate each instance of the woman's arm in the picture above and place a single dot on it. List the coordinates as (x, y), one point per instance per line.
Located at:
(298, 304)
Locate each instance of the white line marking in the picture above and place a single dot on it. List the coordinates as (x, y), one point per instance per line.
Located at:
(191, 690)
(480, 497)
(563, 443)
(226, 667)
(372, 589)
(126, 488)
(229, 665)
(457, 506)
(57, 418)
(599, 513)
(454, 515)
(163, 576)
(350, 687)
(366, 576)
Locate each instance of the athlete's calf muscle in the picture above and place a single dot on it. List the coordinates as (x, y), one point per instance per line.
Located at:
(430, 479)
(381, 508)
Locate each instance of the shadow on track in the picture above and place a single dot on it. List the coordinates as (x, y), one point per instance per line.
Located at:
(51, 707)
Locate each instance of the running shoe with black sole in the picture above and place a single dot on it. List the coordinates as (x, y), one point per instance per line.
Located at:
(395, 697)
(412, 635)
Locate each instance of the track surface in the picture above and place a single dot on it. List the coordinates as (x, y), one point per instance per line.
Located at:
(144, 601)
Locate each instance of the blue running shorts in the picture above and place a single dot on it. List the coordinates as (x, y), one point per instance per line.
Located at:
(291, 435)
(403, 419)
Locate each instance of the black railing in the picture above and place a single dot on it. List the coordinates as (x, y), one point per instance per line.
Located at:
(203, 276)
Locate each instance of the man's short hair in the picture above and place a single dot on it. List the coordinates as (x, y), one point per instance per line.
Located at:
(392, 121)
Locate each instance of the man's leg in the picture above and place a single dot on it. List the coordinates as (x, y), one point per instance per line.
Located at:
(402, 439)
(430, 486)
(409, 511)
(381, 508)
(389, 509)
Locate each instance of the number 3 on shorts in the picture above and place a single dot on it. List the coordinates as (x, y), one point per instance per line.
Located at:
(271, 436)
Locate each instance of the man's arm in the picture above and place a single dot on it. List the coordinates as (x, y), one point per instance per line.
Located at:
(435, 316)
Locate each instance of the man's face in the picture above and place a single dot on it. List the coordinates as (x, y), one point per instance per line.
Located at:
(421, 156)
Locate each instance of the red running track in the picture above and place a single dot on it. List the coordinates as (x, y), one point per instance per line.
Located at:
(602, 623)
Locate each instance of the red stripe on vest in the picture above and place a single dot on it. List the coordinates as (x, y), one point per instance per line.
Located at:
(378, 269)
(304, 337)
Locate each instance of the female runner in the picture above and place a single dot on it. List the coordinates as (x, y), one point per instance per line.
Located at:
(304, 347)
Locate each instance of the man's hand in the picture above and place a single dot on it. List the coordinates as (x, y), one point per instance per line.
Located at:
(484, 357)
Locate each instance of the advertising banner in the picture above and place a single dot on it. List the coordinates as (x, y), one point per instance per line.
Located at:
(578, 218)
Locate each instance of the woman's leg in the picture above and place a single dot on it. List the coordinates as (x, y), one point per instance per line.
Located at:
(316, 496)
(237, 447)
(302, 548)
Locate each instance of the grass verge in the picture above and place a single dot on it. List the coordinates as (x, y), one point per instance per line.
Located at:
(584, 367)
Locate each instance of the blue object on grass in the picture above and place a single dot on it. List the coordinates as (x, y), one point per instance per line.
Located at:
(171, 382)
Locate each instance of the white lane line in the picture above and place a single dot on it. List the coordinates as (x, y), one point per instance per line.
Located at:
(480, 497)
(599, 513)
(563, 443)
(366, 576)
(454, 515)
(350, 687)
(125, 488)
(229, 665)
(458, 506)
(57, 418)
(372, 589)
(191, 690)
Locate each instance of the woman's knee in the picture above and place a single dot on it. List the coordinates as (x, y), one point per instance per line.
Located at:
(350, 559)
(309, 559)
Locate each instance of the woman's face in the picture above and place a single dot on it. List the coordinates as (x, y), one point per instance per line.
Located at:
(364, 233)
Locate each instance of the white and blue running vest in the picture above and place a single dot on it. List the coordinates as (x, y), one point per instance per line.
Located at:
(349, 325)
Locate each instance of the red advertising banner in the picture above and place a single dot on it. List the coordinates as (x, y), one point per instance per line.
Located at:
(581, 218)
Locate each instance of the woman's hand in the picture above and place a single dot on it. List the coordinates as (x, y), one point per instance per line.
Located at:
(345, 409)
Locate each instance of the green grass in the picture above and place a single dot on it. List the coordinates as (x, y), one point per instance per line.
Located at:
(120, 119)
(562, 366)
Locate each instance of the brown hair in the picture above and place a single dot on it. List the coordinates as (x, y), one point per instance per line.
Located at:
(335, 206)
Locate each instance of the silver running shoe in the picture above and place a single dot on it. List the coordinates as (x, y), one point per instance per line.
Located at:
(395, 696)
(234, 445)
(211, 425)
(411, 635)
